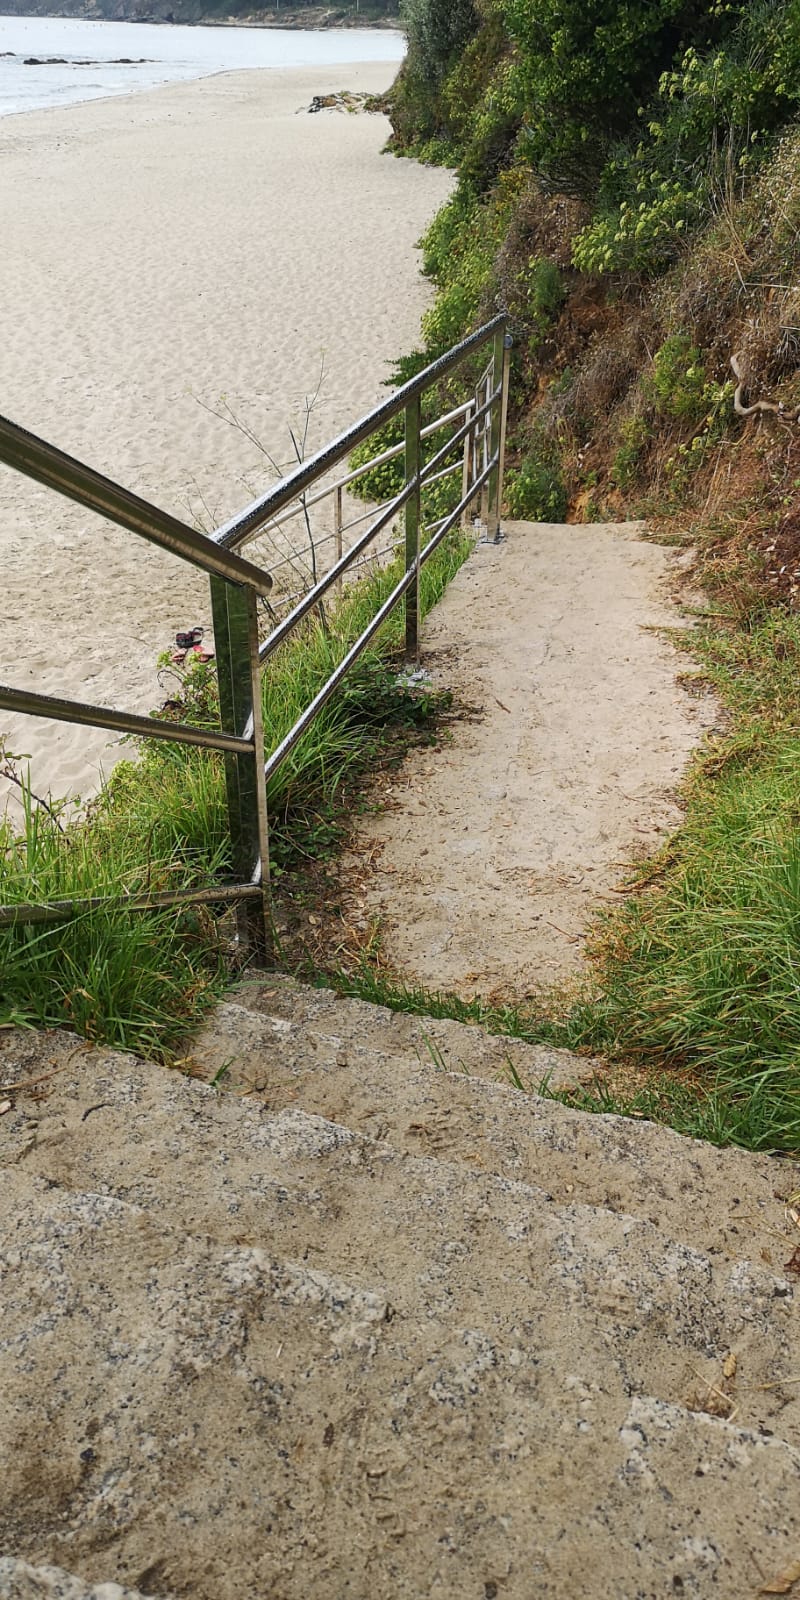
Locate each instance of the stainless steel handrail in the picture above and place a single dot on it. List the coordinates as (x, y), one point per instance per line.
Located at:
(358, 472)
(236, 584)
(303, 722)
(247, 523)
(334, 575)
(73, 479)
(27, 703)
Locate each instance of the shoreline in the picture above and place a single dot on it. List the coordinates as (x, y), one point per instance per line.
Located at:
(179, 265)
(56, 62)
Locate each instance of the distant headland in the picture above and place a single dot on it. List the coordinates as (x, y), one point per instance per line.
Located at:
(354, 14)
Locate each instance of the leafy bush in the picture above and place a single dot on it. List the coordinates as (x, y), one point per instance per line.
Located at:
(707, 129)
(535, 298)
(640, 236)
(437, 32)
(634, 435)
(481, 105)
(678, 381)
(536, 490)
(584, 68)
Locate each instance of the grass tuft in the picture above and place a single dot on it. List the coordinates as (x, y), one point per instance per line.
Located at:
(141, 980)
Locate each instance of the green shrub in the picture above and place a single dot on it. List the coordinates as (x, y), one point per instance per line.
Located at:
(437, 32)
(586, 66)
(707, 129)
(445, 235)
(677, 384)
(536, 490)
(641, 234)
(480, 104)
(634, 435)
(536, 295)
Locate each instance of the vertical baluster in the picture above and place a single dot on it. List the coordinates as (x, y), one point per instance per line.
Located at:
(501, 366)
(338, 523)
(466, 472)
(501, 470)
(485, 433)
(475, 444)
(412, 524)
(239, 675)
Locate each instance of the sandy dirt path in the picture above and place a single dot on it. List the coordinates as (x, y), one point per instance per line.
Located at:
(494, 850)
(164, 255)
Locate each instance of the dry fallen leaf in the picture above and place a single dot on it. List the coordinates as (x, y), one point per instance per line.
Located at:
(785, 1581)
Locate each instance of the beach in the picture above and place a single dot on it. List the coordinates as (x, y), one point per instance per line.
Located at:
(179, 266)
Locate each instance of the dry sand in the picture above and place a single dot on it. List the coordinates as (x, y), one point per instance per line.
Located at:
(494, 850)
(159, 252)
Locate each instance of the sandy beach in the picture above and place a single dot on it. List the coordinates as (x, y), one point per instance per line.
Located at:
(166, 255)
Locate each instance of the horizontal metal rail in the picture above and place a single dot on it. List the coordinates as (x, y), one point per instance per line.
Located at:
(63, 910)
(469, 426)
(304, 721)
(235, 584)
(355, 521)
(337, 571)
(309, 501)
(347, 527)
(89, 716)
(248, 522)
(73, 479)
(372, 556)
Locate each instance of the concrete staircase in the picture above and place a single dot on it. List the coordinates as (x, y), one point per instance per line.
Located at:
(362, 1323)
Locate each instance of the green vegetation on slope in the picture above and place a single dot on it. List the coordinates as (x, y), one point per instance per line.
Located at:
(599, 147)
(628, 189)
(140, 980)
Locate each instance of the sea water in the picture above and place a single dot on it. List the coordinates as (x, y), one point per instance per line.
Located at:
(110, 58)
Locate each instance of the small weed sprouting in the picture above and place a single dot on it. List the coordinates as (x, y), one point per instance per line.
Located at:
(435, 1053)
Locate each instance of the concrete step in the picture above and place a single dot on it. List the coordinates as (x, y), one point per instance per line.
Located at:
(434, 1087)
(20, 1581)
(438, 1239)
(202, 1419)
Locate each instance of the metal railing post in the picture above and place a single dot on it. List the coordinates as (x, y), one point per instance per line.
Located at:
(235, 617)
(508, 346)
(485, 453)
(466, 473)
(501, 368)
(236, 584)
(476, 442)
(338, 523)
(413, 519)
